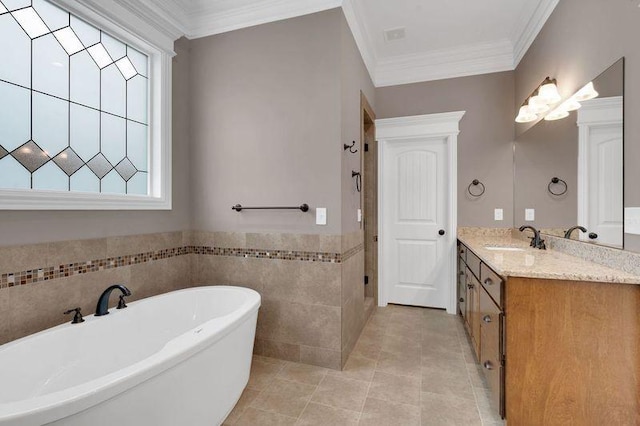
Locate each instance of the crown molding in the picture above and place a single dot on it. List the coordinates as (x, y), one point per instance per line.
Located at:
(144, 18)
(165, 21)
(361, 35)
(205, 23)
(482, 58)
(529, 26)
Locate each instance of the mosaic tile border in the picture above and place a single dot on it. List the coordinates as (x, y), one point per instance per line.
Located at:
(70, 269)
(305, 256)
(13, 279)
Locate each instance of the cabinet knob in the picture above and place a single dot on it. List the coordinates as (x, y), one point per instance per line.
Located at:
(461, 299)
(470, 286)
(487, 319)
(461, 273)
(488, 365)
(488, 281)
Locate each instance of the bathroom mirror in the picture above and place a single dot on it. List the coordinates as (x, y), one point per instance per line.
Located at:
(570, 171)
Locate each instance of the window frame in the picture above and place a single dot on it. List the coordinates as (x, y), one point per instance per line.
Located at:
(126, 26)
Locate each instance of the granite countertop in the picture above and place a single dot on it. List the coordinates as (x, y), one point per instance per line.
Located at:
(534, 263)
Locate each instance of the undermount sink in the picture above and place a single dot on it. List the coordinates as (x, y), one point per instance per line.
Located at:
(499, 248)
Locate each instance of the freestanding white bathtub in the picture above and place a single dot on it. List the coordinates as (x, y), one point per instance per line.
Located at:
(181, 358)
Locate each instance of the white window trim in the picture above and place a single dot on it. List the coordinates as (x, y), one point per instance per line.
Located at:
(127, 26)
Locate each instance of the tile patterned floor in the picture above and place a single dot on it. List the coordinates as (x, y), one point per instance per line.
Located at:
(411, 366)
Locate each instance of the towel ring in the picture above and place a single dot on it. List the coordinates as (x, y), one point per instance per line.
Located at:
(476, 182)
(555, 181)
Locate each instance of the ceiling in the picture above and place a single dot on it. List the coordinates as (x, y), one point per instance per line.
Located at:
(443, 39)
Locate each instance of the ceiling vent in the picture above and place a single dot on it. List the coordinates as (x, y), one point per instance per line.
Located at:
(394, 34)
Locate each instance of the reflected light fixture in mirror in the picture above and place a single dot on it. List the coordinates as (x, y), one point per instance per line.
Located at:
(539, 102)
(588, 92)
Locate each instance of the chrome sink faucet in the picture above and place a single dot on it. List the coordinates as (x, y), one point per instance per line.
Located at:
(103, 302)
(570, 231)
(536, 241)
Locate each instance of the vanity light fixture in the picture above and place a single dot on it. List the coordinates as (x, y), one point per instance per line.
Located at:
(539, 102)
(537, 105)
(526, 115)
(548, 92)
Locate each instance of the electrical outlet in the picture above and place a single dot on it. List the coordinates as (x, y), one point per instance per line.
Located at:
(321, 216)
(530, 215)
(498, 214)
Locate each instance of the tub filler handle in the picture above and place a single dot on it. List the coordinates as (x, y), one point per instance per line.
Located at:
(77, 317)
(121, 302)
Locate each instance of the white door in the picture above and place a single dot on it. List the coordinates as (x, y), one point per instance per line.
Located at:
(415, 213)
(601, 175)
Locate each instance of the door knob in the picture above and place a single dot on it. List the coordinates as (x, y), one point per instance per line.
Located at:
(441, 232)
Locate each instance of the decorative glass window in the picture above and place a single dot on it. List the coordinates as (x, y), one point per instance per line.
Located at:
(75, 109)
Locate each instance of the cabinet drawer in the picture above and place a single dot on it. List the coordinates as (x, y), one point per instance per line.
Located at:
(492, 283)
(473, 262)
(491, 349)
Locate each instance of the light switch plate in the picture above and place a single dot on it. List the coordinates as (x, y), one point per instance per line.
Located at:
(632, 220)
(359, 215)
(529, 215)
(498, 214)
(321, 216)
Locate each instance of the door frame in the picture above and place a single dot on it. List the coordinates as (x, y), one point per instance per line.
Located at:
(390, 130)
(600, 112)
(367, 114)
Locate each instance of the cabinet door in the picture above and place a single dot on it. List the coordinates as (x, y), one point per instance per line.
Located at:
(462, 288)
(473, 310)
(491, 350)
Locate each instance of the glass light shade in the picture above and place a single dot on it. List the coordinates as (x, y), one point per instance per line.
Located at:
(537, 105)
(586, 93)
(549, 93)
(526, 115)
(557, 114)
(571, 105)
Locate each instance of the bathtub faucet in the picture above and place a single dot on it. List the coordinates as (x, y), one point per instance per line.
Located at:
(103, 301)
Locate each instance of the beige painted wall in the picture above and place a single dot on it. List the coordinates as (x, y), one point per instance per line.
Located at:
(355, 78)
(29, 227)
(580, 40)
(485, 143)
(265, 123)
(548, 150)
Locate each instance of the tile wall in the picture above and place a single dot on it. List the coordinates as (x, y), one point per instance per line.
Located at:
(38, 282)
(311, 285)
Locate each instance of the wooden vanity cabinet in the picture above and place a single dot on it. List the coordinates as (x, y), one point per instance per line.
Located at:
(555, 352)
(481, 308)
